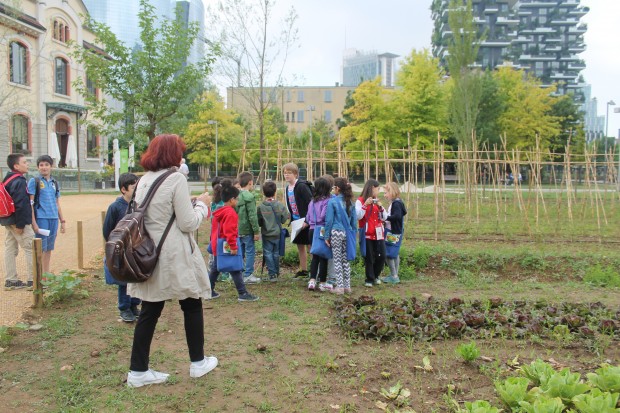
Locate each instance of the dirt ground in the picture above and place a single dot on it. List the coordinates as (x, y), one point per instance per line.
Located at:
(85, 208)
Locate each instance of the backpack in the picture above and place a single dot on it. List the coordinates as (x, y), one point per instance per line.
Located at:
(37, 192)
(7, 206)
(130, 252)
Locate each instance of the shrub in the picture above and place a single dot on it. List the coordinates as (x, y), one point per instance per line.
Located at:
(63, 286)
(602, 276)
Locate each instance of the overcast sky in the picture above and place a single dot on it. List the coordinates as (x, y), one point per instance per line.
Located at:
(327, 27)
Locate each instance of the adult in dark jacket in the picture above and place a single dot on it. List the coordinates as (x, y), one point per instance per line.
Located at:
(298, 195)
(18, 226)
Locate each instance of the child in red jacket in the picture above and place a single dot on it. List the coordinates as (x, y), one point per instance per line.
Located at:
(371, 216)
(225, 224)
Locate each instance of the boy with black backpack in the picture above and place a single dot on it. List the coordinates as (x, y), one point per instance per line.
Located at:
(18, 224)
(46, 212)
(127, 305)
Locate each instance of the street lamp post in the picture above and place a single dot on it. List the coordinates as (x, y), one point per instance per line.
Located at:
(214, 122)
(310, 160)
(610, 103)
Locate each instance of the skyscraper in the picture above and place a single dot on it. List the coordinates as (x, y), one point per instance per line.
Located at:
(542, 36)
(122, 18)
(358, 66)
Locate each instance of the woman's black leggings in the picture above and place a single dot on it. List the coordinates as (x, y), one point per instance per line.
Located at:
(145, 329)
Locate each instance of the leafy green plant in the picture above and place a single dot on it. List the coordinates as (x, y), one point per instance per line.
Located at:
(512, 391)
(542, 405)
(596, 402)
(564, 385)
(538, 372)
(63, 286)
(479, 406)
(607, 378)
(421, 256)
(468, 352)
(600, 276)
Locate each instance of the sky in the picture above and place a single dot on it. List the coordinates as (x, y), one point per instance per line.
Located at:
(328, 27)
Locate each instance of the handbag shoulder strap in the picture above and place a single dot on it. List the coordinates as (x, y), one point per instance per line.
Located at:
(274, 215)
(151, 192)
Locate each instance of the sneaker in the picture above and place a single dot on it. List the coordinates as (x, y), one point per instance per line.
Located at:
(338, 290)
(348, 290)
(377, 281)
(325, 287)
(128, 316)
(273, 278)
(143, 378)
(251, 280)
(367, 284)
(214, 295)
(135, 310)
(390, 280)
(301, 274)
(311, 285)
(201, 368)
(247, 297)
(14, 285)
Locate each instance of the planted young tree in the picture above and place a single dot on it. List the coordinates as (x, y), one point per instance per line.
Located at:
(150, 80)
(466, 83)
(255, 50)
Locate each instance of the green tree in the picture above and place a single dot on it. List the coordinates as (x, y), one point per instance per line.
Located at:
(346, 118)
(419, 106)
(369, 117)
(492, 106)
(528, 109)
(151, 80)
(466, 88)
(570, 127)
(200, 136)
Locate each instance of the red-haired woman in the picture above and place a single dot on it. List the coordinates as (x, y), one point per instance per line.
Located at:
(181, 273)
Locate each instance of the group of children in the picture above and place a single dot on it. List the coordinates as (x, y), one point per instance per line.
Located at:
(327, 208)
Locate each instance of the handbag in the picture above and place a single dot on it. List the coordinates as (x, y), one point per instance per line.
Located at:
(283, 234)
(319, 247)
(393, 242)
(350, 234)
(226, 261)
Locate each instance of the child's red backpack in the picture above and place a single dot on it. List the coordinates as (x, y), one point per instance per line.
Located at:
(7, 206)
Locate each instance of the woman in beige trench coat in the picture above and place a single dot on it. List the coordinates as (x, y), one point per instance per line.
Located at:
(181, 273)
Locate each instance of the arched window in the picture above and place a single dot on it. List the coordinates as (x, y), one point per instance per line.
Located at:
(18, 61)
(61, 76)
(19, 134)
(61, 31)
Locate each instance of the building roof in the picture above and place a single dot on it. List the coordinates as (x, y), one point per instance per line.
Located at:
(13, 14)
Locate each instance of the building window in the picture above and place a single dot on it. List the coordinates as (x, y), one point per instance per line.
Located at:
(92, 143)
(327, 116)
(300, 96)
(287, 119)
(61, 75)
(61, 31)
(90, 88)
(19, 134)
(292, 116)
(300, 116)
(18, 63)
(327, 96)
(288, 95)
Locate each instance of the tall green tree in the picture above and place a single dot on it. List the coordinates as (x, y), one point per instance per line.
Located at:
(492, 106)
(419, 106)
(369, 117)
(571, 131)
(528, 110)
(150, 80)
(466, 88)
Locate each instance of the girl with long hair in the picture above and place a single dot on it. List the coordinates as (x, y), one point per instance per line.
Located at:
(371, 215)
(316, 219)
(335, 232)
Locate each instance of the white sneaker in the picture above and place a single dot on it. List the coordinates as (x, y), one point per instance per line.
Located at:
(203, 367)
(143, 378)
(251, 280)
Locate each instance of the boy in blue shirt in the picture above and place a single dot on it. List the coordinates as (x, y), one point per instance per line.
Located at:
(127, 305)
(46, 212)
